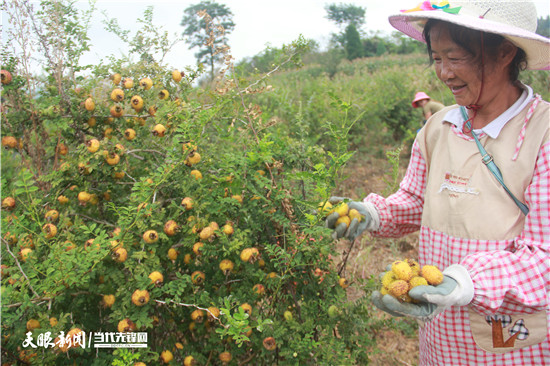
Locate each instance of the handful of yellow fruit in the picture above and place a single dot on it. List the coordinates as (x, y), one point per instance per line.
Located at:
(407, 274)
(346, 214)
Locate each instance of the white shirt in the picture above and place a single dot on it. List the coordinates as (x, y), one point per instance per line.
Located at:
(493, 128)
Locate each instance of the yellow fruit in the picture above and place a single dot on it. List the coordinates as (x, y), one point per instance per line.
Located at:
(50, 230)
(388, 278)
(432, 274)
(206, 233)
(269, 343)
(225, 357)
(91, 122)
(177, 75)
(193, 158)
(213, 312)
(108, 133)
(417, 281)
(398, 288)
(150, 236)
(189, 361)
(129, 134)
(128, 83)
(117, 111)
(8, 203)
(196, 174)
(53, 321)
(402, 270)
(159, 130)
(197, 316)
(32, 324)
(116, 78)
(342, 209)
(126, 325)
(156, 278)
(259, 289)
(9, 142)
(250, 255)
(343, 219)
(197, 248)
(146, 83)
(197, 277)
(187, 202)
(89, 104)
(344, 283)
(136, 102)
(140, 297)
(112, 159)
(226, 266)
(247, 308)
(415, 266)
(172, 254)
(164, 94)
(354, 214)
(171, 228)
(83, 197)
(117, 95)
(92, 145)
(51, 215)
(228, 229)
(324, 208)
(108, 300)
(120, 255)
(166, 356)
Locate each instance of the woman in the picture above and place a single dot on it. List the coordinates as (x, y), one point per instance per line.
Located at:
(429, 106)
(490, 233)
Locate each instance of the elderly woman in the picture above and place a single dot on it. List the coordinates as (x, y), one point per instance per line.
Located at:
(478, 190)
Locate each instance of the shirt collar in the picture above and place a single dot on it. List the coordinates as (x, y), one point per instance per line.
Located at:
(493, 128)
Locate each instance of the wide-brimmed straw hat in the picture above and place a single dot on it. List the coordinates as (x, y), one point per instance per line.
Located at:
(514, 20)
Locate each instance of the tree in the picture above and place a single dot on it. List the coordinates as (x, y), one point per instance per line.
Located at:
(207, 26)
(346, 14)
(543, 27)
(353, 46)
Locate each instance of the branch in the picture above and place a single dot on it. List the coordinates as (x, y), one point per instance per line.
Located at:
(18, 265)
(192, 306)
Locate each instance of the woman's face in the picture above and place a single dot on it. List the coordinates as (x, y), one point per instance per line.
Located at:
(455, 67)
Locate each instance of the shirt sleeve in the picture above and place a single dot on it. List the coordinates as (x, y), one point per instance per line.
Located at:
(518, 279)
(401, 213)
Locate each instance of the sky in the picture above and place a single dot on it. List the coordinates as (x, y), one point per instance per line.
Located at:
(258, 23)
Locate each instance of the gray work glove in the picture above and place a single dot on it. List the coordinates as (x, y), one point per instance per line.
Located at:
(370, 219)
(457, 289)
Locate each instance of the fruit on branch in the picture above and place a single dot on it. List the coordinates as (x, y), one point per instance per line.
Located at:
(146, 83)
(140, 297)
(6, 77)
(117, 95)
(116, 78)
(89, 104)
(150, 236)
(177, 75)
(137, 103)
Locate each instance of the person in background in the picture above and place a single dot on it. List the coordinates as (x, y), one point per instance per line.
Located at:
(429, 106)
(477, 188)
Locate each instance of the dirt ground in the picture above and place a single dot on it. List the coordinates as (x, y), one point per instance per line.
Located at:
(369, 256)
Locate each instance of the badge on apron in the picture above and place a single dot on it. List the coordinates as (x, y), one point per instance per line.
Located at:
(504, 333)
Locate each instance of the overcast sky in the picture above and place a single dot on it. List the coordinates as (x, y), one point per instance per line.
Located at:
(258, 23)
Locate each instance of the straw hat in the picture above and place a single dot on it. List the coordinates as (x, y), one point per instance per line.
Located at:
(512, 19)
(418, 97)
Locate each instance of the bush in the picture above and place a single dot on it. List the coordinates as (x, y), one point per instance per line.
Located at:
(160, 208)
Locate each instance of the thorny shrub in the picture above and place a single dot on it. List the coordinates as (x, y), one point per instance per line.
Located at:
(134, 202)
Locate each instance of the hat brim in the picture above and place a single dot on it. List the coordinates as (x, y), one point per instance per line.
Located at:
(536, 47)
